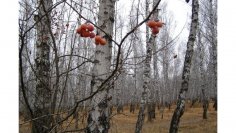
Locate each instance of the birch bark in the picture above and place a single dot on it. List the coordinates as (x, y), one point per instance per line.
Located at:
(146, 77)
(98, 119)
(202, 77)
(179, 111)
(43, 92)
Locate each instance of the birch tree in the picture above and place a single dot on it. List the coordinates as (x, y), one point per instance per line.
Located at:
(179, 111)
(209, 16)
(98, 119)
(43, 100)
(152, 104)
(146, 78)
(136, 47)
(146, 91)
(202, 76)
(213, 20)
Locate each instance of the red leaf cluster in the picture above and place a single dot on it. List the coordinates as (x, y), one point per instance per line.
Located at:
(86, 30)
(155, 26)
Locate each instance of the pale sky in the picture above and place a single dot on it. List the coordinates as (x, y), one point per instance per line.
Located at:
(179, 8)
(181, 12)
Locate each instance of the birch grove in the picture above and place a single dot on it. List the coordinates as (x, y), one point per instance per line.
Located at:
(107, 66)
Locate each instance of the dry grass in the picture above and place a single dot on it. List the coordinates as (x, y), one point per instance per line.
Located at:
(191, 122)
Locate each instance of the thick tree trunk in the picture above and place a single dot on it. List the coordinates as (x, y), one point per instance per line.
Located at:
(186, 70)
(98, 118)
(43, 92)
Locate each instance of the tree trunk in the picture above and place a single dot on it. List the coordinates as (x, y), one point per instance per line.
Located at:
(43, 92)
(215, 104)
(132, 108)
(214, 49)
(186, 70)
(98, 118)
(146, 76)
(151, 111)
(134, 40)
(120, 85)
(202, 80)
(151, 105)
(205, 104)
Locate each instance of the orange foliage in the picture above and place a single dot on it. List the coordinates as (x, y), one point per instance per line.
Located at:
(85, 34)
(103, 41)
(92, 35)
(159, 24)
(155, 30)
(98, 38)
(83, 27)
(151, 23)
(90, 27)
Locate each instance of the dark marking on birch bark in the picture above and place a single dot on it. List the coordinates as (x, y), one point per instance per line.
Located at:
(174, 125)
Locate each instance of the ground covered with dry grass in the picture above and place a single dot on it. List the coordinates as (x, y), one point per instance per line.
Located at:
(191, 121)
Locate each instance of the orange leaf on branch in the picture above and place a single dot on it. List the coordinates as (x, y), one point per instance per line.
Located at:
(92, 35)
(155, 30)
(83, 27)
(85, 34)
(98, 38)
(159, 24)
(151, 23)
(90, 27)
(103, 41)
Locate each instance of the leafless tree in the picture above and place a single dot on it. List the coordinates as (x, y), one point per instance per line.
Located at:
(98, 119)
(186, 70)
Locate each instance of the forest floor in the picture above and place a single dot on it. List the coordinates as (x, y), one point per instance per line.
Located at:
(191, 121)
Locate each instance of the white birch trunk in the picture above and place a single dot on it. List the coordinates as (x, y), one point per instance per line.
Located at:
(202, 77)
(213, 23)
(98, 119)
(145, 98)
(43, 92)
(146, 91)
(186, 70)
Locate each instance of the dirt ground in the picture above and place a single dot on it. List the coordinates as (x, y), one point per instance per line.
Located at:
(191, 121)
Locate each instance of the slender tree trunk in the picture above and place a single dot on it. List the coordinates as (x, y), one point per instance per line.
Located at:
(146, 76)
(134, 40)
(205, 104)
(120, 85)
(98, 118)
(43, 92)
(202, 80)
(186, 70)
(152, 105)
(214, 50)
